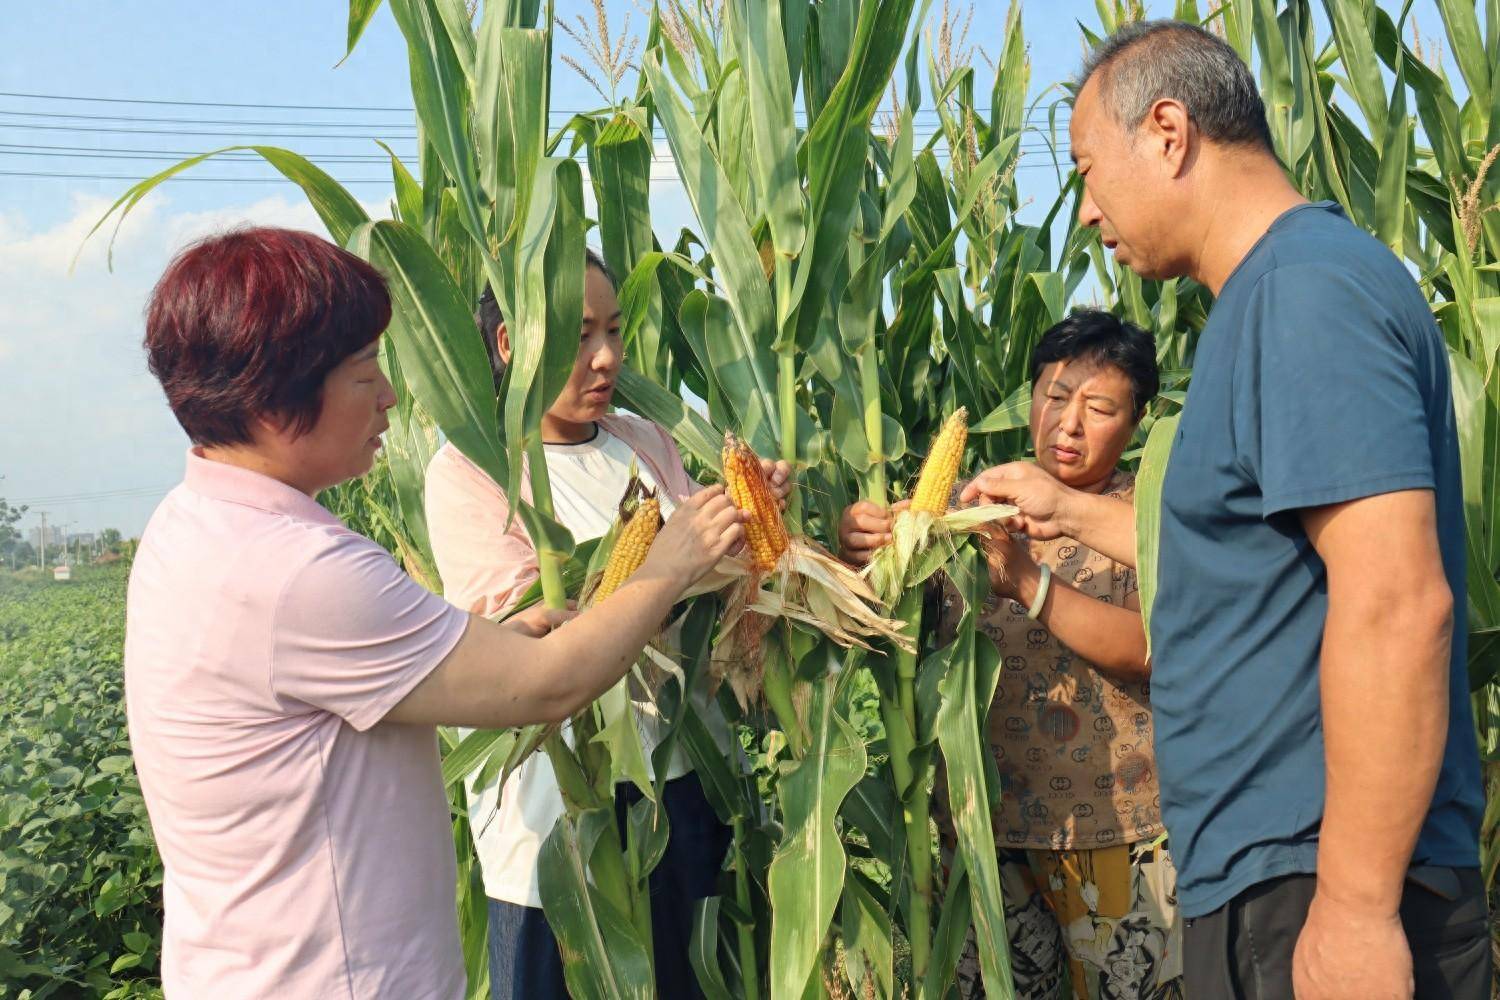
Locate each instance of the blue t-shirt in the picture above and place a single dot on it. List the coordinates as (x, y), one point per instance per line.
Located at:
(1320, 378)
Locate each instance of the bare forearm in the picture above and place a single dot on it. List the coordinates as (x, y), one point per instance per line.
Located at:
(586, 657)
(1104, 524)
(1111, 638)
(1384, 684)
(497, 677)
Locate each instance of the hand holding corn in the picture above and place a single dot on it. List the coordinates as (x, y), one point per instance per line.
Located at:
(864, 528)
(1009, 560)
(705, 527)
(778, 478)
(1043, 500)
(538, 620)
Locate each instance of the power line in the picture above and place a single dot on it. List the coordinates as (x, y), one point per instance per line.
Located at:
(198, 133)
(200, 104)
(46, 175)
(264, 106)
(279, 123)
(241, 156)
(203, 121)
(192, 132)
(120, 493)
(278, 179)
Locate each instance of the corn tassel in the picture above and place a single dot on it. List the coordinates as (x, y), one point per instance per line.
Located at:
(631, 546)
(935, 484)
(766, 538)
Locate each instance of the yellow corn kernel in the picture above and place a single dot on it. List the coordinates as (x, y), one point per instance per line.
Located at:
(631, 546)
(935, 484)
(765, 536)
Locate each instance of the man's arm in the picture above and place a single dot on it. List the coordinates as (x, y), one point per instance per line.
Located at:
(1051, 510)
(1384, 684)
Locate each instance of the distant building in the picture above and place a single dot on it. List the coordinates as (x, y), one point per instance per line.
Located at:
(55, 537)
(82, 539)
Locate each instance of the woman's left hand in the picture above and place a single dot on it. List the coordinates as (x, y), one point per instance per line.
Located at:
(537, 620)
(1009, 559)
(779, 478)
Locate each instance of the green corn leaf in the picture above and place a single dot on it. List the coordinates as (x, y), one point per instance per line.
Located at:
(1466, 40)
(757, 25)
(1353, 29)
(620, 170)
(1148, 489)
(1390, 184)
(703, 949)
(687, 427)
(948, 941)
(869, 937)
(548, 308)
(1439, 116)
(738, 366)
(807, 874)
(603, 957)
(459, 26)
(474, 749)
(360, 13)
(339, 210)
(837, 145)
(726, 229)
(510, 124)
(440, 91)
(409, 446)
(437, 344)
(620, 735)
(968, 688)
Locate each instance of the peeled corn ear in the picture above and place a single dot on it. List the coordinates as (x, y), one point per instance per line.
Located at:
(940, 469)
(766, 538)
(641, 522)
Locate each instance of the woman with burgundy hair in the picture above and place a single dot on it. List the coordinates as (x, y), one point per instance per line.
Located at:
(284, 677)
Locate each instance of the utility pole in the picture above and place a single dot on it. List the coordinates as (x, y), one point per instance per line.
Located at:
(41, 555)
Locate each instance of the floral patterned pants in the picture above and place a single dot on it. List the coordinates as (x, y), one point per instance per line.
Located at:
(1104, 921)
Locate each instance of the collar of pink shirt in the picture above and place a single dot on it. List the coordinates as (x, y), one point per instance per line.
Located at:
(235, 484)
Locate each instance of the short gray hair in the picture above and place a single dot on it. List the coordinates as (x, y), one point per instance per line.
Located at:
(1147, 61)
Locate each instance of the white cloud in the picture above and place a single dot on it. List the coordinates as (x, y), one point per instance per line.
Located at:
(83, 413)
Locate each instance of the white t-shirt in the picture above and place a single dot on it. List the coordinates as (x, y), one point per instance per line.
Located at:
(509, 826)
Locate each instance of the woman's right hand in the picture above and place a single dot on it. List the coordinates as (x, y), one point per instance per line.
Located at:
(703, 529)
(864, 528)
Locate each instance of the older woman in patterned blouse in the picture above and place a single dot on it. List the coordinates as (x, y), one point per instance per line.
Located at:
(1088, 881)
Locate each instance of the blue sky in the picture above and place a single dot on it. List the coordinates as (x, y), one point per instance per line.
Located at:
(89, 438)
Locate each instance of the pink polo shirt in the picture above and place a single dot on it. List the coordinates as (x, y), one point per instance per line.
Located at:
(307, 844)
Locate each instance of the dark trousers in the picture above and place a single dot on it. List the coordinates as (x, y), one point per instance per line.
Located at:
(1243, 950)
(524, 959)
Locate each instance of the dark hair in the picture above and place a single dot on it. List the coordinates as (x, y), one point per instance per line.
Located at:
(487, 315)
(1146, 61)
(249, 323)
(1105, 339)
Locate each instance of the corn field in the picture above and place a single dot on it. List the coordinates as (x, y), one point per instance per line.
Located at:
(848, 286)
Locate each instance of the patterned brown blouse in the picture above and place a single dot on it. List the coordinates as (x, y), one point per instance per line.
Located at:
(1073, 746)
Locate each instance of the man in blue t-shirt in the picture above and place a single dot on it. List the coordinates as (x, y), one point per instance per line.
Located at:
(1320, 779)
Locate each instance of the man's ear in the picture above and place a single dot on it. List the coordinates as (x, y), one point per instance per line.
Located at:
(1169, 123)
(502, 342)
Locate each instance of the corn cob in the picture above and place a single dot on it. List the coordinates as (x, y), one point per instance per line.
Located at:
(631, 546)
(765, 536)
(935, 484)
